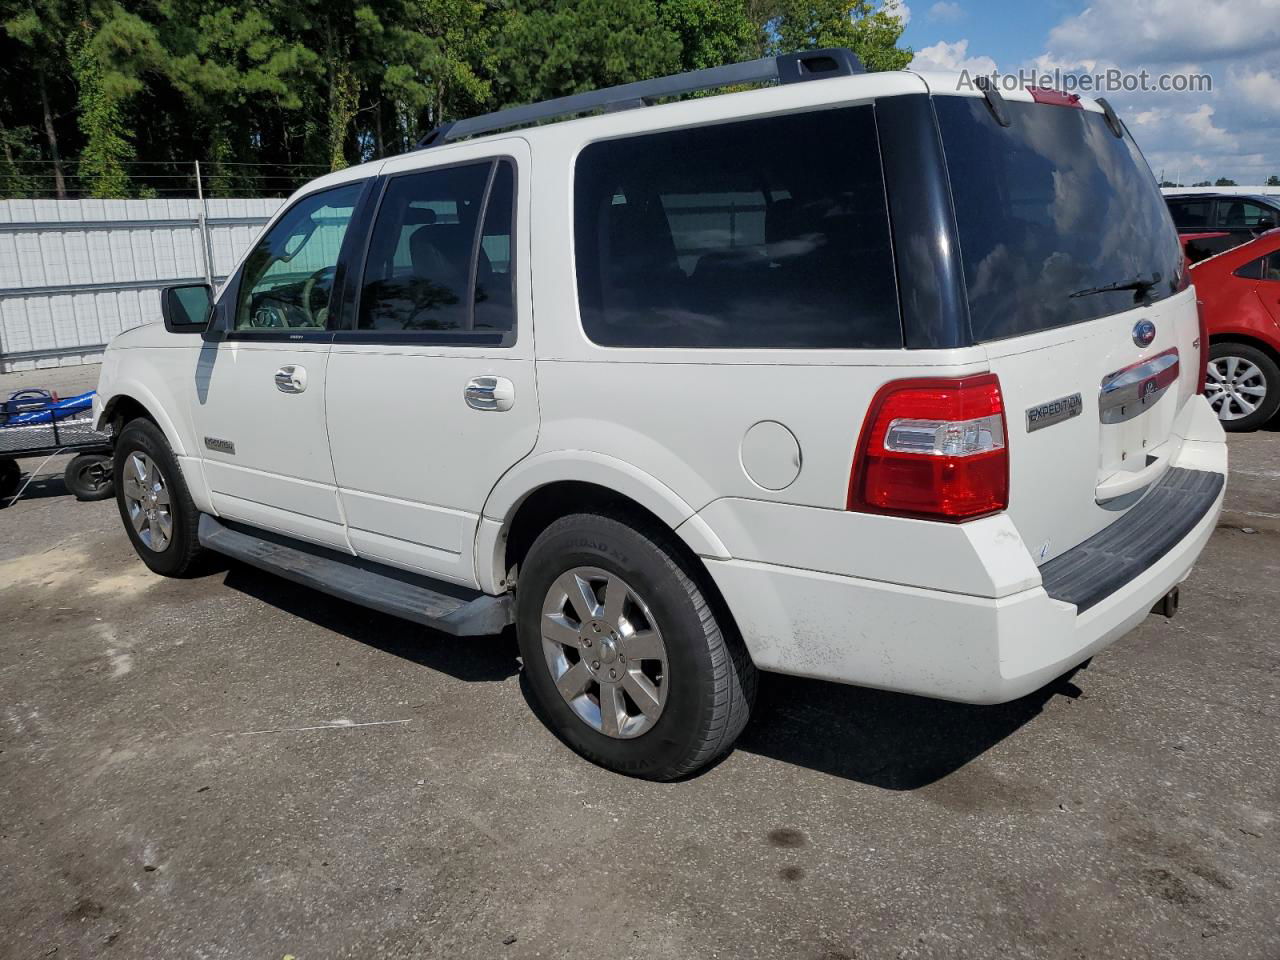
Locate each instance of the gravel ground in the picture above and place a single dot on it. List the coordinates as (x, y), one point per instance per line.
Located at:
(235, 767)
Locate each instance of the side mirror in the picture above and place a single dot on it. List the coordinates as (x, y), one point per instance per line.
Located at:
(186, 309)
(1264, 224)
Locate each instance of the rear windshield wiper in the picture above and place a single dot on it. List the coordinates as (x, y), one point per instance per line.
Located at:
(1138, 285)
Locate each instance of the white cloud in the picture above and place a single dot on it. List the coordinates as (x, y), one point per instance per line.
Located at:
(1169, 31)
(951, 57)
(1261, 88)
(899, 9)
(945, 11)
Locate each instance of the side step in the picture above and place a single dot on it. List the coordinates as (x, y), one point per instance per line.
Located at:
(432, 603)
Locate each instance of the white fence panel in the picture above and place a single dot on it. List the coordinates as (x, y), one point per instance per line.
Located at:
(74, 273)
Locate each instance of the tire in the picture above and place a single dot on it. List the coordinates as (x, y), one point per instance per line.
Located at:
(10, 477)
(697, 681)
(170, 548)
(1236, 373)
(89, 477)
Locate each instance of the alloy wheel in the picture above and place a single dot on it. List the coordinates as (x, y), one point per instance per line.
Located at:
(146, 495)
(1234, 387)
(605, 652)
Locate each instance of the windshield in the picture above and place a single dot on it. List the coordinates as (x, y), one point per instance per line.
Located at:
(1050, 206)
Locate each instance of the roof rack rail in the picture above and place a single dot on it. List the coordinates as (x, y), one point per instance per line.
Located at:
(788, 68)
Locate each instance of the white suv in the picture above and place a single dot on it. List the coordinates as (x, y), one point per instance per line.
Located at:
(866, 378)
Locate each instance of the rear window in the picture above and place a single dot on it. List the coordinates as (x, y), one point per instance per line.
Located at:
(767, 233)
(1051, 205)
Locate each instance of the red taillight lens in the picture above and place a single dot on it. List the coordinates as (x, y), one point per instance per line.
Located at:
(934, 449)
(1202, 370)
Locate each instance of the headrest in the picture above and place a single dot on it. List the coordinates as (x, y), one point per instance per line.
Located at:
(417, 215)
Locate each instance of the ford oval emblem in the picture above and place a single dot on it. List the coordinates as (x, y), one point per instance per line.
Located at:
(1144, 331)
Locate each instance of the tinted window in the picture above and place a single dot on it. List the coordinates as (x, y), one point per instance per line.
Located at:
(288, 277)
(1191, 215)
(424, 262)
(1242, 214)
(1264, 268)
(764, 233)
(1051, 205)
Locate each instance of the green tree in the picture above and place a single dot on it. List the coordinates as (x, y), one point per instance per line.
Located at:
(552, 48)
(711, 32)
(1224, 182)
(102, 121)
(1273, 181)
(41, 29)
(870, 31)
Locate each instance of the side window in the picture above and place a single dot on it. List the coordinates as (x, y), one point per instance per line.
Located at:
(1242, 215)
(288, 277)
(425, 270)
(495, 280)
(1251, 270)
(1191, 215)
(1264, 268)
(766, 233)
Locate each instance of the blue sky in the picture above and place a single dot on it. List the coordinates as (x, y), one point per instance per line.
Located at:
(1232, 131)
(1009, 32)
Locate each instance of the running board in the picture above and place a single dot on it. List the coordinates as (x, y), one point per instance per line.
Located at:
(432, 603)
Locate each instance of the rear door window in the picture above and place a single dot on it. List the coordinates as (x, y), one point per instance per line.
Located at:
(439, 256)
(1191, 215)
(1050, 206)
(766, 233)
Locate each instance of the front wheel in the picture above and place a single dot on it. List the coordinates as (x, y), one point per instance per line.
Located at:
(154, 502)
(1242, 384)
(625, 655)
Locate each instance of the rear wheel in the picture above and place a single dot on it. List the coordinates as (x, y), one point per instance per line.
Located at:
(88, 477)
(1242, 384)
(627, 659)
(154, 502)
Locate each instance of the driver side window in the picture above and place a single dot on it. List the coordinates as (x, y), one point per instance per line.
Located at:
(288, 278)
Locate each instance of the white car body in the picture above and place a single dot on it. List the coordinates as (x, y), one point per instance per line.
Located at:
(951, 610)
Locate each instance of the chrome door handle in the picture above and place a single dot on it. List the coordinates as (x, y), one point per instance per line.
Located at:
(291, 379)
(489, 393)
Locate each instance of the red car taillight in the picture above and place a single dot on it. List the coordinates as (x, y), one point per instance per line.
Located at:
(1202, 370)
(934, 449)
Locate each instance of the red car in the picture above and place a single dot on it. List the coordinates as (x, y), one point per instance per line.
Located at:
(1239, 294)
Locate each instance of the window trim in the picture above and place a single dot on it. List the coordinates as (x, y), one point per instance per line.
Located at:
(351, 333)
(222, 327)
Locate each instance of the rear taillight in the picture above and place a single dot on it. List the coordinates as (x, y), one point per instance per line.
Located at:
(1202, 370)
(934, 449)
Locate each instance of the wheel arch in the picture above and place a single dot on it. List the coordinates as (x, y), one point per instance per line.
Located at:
(134, 401)
(543, 489)
(1248, 339)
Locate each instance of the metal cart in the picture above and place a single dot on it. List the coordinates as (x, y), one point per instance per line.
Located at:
(37, 423)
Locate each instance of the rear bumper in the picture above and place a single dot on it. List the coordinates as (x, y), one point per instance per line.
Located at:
(956, 646)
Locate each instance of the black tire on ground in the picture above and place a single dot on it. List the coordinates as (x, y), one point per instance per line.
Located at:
(10, 477)
(89, 477)
(710, 679)
(182, 554)
(1269, 373)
